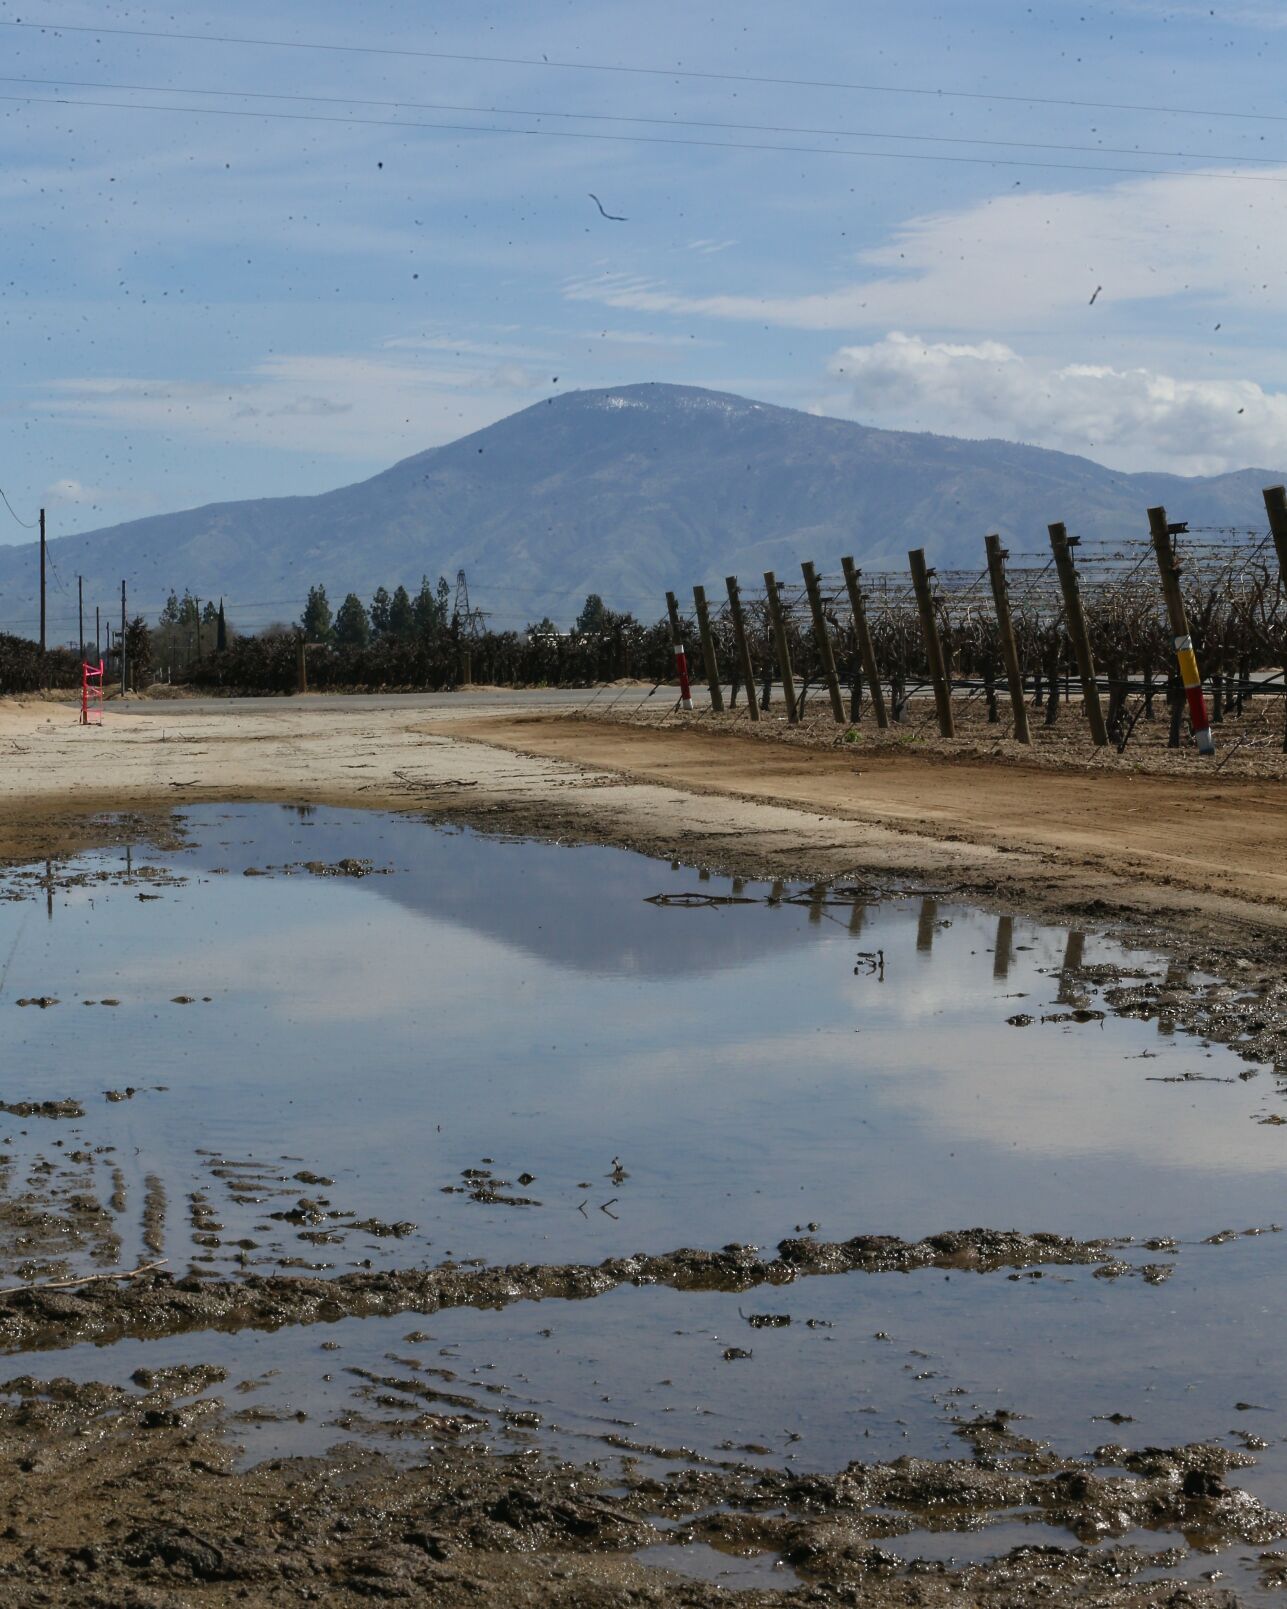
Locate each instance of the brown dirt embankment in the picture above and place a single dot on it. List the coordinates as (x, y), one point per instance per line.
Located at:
(1197, 846)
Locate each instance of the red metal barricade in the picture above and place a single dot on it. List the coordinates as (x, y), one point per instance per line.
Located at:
(91, 694)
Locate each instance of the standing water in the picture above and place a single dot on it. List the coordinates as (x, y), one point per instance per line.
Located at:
(318, 1041)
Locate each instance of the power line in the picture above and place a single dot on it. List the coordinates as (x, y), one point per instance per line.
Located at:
(26, 525)
(641, 139)
(621, 117)
(934, 93)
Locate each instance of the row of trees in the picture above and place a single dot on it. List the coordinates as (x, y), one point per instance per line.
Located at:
(392, 617)
(418, 642)
(24, 669)
(186, 630)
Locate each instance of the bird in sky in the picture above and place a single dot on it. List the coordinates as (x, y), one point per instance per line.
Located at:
(612, 217)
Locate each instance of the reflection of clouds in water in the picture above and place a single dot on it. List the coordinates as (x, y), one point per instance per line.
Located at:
(1061, 1092)
(338, 965)
(1047, 1091)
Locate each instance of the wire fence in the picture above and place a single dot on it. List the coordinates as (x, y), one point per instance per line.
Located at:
(1113, 625)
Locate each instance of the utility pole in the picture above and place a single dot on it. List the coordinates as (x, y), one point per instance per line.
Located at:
(42, 580)
(98, 636)
(122, 639)
(80, 611)
(197, 601)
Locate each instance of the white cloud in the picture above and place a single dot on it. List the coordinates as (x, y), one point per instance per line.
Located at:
(340, 406)
(1130, 418)
(1030, 260)
(72, 491)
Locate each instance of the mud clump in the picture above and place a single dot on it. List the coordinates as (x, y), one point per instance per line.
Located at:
(68, 1108)
(158, 1303)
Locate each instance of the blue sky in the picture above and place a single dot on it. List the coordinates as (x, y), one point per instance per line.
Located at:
(198, 306)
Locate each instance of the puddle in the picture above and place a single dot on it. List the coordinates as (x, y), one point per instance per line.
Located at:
(701, 1562)
(497, 1051)
(490, 1012)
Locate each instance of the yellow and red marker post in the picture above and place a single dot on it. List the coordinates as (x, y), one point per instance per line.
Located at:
(1199, 722)
(1163, 535)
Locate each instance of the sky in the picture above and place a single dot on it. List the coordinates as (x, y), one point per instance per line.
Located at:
(305, 240)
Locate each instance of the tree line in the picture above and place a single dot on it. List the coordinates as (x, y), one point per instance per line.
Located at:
(400, 640)
(418, 641)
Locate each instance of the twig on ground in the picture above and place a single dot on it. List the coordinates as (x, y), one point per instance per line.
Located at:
(85, 1279)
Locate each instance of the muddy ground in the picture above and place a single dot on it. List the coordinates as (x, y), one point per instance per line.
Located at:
(131, 1495)
(121, 1497)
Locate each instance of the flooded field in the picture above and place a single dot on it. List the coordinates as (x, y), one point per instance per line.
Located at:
(325, 1044)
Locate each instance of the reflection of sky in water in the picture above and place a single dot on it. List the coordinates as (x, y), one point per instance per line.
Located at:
(395, 1030)
(523, 1002)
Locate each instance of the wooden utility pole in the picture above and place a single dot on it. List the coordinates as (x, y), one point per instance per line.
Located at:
(122, 639)
(708, 649)
(301, 668)
(822, 641)
(866, 648)
(1169, 569)
(197, 616)
(42, 580)
(80, 612)
(933, 642)
(778, 621)
(743, 646)
(1075, 620)
(1009, 648)
(98, 635)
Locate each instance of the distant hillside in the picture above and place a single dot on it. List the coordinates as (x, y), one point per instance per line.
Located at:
(624, 492)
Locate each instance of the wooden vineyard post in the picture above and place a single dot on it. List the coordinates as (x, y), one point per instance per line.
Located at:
(780, 643)
(708, 649)
(1276, 507)
(743, 647)
(1076, 620)
(1185, 658)
(866, 648)
(823, 641)
(1009, 648)
(933, 642)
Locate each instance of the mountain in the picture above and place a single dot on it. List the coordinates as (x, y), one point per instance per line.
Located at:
(624, 492)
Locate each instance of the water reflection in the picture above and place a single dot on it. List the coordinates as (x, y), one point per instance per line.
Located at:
(811, 1056)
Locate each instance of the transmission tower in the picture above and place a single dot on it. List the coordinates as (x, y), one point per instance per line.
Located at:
(470, 621)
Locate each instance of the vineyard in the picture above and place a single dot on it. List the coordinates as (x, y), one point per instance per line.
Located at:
(1185, 621)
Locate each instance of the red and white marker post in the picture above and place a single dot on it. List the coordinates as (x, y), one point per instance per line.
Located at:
(681, 665)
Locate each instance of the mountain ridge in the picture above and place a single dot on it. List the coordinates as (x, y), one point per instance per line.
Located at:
(624, 491)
